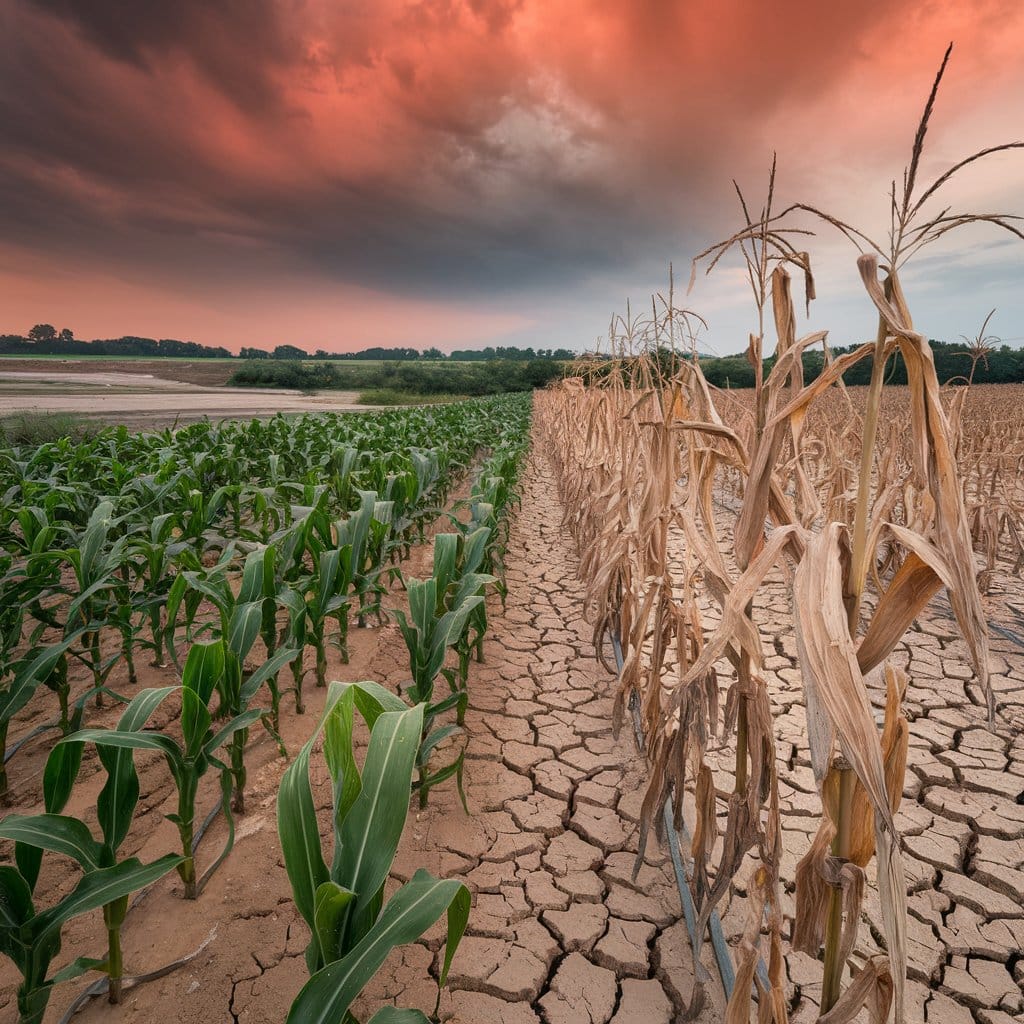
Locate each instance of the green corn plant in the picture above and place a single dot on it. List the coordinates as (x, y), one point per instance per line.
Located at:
(354, 533)
(352, 929)
(340, 466)
(44, 665)
(237, 688)
(189, 761)
(191, 586)
(154, 556)
(464, 578)
(428, 635)
(328, 595)
(200, 513)
(115, 811)
(31, 939)
(259, 584)
(295, 633)
(95, 561)
(241, 621)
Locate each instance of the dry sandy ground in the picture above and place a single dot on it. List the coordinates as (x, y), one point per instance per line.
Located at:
(140, 400)
(210, 373)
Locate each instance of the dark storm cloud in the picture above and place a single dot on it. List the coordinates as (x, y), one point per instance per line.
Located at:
(232, 42)
(435, 147)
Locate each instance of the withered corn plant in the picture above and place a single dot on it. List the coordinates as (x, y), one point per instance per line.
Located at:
(865, 527)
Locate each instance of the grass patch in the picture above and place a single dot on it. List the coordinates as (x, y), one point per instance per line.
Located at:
(35, 428)
(389, 396)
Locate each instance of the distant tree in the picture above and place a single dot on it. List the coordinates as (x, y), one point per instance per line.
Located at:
(43, 332)
(67, 334)
(289, 352)
(433, 353)
(253, 353)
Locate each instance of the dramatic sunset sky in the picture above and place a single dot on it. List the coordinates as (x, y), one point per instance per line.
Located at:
(336, 174)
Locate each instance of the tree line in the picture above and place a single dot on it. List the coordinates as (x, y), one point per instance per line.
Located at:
(472, 377)
(45, 339)
(954, 361)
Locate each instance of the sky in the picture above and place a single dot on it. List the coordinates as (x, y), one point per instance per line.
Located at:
(460, 173)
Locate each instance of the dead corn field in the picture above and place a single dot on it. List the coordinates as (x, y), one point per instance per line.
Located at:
(655, 525)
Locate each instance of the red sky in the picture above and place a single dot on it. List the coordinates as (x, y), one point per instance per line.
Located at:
(460, 172)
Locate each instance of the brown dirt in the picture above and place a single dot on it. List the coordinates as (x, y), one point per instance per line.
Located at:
(209, 373)
(141, 401)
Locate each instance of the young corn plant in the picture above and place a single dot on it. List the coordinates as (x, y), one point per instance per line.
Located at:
(154, 556)
(42, 665)
(458, 560)
(372, 537)
(96, 561)
(115, 811)
(340, 893)
(436, 623)
(188, 761)
(328, 595)
(31, 938)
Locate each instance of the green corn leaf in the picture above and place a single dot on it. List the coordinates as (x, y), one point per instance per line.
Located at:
(329, 905)
(422, 603)
(86, 595)
(474, 547)
(203, 668)
(98, 888)
(453, 624)
(59, 775)
(195, 720)
(453, 700)
(299, 832)
(446, 548)
(251, 588)
(115, 806)
(436, 737)
(15, 900)
(130, 741)
(76, 969)
(244, 627)
(30, 674)
(267, 670)
(242, 721)
(373, 827)
(407, 915)
(373, 700)
(340, 761)
(56, 833)
(399, 1015)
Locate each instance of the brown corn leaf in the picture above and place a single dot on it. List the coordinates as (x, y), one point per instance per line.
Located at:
(873, 988)
(934, 460)
(829, 659)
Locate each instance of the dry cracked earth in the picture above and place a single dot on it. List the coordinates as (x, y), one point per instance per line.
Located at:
(561, 932)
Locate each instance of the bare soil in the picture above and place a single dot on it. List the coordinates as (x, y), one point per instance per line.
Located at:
(141, 401)
(210, 373)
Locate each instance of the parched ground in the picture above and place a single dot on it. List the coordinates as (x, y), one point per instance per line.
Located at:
(561, 932)
(143, 400)
(209, 373)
